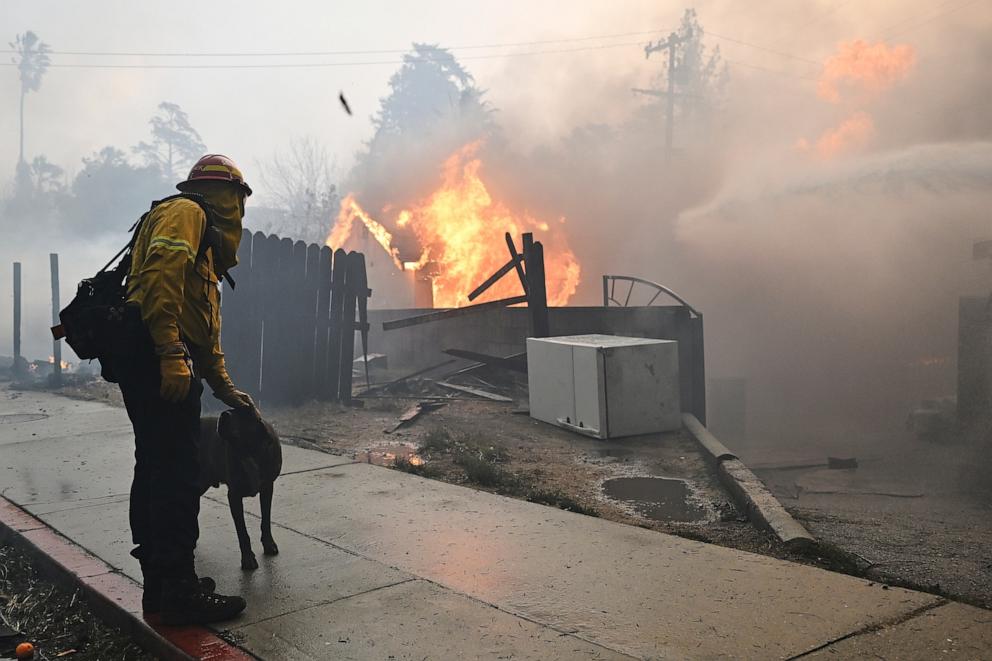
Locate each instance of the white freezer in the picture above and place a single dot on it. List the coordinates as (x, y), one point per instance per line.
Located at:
(605, 386)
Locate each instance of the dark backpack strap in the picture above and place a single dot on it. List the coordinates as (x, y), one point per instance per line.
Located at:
(206, 239)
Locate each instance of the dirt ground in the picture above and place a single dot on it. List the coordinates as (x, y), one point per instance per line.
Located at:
(538, 461)
(56, 621)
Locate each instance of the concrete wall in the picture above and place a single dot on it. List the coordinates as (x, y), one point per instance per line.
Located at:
(503, 331)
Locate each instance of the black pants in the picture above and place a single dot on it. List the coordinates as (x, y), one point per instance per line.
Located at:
(165, 496)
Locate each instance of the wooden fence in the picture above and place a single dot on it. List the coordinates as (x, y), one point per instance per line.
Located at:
(287, 333)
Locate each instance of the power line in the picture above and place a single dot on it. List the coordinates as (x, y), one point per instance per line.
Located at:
(762, 48)
(317, 65)
(393, 62)
(814, 21)
(391, 51)
(778, 72)
(891, 32)
(406, 50)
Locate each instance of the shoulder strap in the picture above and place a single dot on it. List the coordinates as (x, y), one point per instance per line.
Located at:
(209, 238)
(205, 238)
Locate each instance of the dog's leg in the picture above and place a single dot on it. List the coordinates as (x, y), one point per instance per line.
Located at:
(268, 544)
(248, 560)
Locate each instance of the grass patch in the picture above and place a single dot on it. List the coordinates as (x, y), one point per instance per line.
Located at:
(481, 462)
(486, 473)
(561, 501)
(437, 441)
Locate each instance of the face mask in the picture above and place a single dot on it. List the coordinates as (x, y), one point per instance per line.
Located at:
(229, 205)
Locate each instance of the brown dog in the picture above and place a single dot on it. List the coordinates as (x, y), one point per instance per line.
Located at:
(242, 450)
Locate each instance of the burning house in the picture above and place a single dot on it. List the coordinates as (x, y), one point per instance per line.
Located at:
(434, 251)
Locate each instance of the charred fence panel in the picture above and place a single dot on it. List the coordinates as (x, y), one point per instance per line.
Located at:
(281, 341)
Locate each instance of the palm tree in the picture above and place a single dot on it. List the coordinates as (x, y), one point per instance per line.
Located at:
(31, 58)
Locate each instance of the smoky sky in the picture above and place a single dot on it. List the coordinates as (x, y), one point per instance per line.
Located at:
(820, 278)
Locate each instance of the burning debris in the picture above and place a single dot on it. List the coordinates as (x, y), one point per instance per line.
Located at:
(449, 235)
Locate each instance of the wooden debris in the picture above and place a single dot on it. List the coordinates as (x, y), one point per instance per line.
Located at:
(413, 413)
(380, 386)
(475, 391)
(516, 362)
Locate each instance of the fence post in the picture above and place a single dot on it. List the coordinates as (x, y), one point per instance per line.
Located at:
(18, 366)
(56, 345)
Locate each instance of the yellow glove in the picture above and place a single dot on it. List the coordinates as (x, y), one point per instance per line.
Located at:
(215, 372)
(177, 376)
(234, 398)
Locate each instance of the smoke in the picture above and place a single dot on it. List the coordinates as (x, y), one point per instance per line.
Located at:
(828, 274)
(77, 260)
(841, 280)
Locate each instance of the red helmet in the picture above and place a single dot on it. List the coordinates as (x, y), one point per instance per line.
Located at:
(215, 167)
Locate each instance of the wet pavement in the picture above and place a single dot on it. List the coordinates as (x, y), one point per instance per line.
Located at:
(378, 564)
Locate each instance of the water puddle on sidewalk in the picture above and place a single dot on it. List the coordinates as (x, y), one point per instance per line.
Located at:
(657, 498)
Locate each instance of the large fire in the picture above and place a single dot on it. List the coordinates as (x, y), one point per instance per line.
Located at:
(857, 69)
(460, 230)
(864, 66)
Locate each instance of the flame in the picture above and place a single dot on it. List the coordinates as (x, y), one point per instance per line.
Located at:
(460, 230)
(350, 211)
(62, 363)
(871, 67)
(853, 133)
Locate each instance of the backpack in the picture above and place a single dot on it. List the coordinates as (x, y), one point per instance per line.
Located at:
(93, 322)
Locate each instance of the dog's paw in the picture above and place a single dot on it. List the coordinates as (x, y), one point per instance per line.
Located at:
(248, 561)
(269, 547)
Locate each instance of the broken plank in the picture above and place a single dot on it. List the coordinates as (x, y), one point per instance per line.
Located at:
(474, 391)
(491, 280)
(401, 379)
(413, 413)
(515, 362)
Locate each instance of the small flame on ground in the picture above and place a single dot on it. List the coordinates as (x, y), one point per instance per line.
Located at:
(65, 365)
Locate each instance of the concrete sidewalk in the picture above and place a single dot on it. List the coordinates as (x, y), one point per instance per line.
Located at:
(378, 564)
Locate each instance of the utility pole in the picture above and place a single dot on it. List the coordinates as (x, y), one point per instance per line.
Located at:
(18, 361)
(669, 44)
(56, 345)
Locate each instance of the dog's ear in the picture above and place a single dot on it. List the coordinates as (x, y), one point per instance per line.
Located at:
(225, 425)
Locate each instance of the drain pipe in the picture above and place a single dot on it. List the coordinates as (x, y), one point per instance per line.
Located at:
(749, 493)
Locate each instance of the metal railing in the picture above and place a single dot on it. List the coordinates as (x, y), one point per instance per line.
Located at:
(610, 285)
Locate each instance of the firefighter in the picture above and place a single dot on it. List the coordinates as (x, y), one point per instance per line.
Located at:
(173, 311)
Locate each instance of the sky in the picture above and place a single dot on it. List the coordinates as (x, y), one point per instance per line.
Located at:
(251, 113)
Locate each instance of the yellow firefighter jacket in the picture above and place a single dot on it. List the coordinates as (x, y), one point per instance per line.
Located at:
(176, 289)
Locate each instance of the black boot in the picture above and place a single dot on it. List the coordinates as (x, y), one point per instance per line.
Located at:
(151, 596)
(183, 602)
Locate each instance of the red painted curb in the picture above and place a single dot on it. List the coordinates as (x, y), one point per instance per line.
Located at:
(113, 596)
